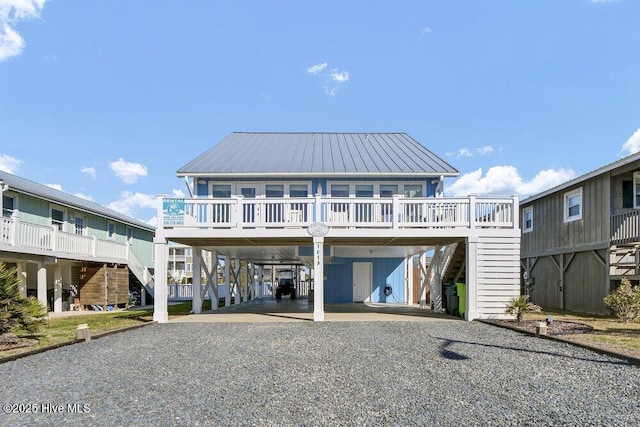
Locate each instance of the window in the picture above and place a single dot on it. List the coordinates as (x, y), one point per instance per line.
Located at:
(636, 190)
(57, 219)
(274, 190)
(339, 190)
(527, 219)
(364, 190)
(111, 230)
(388, 190)
(8, 206)
(80, 225)
(129, 234)
(411, 190)
(298, 190)
(189, 266)
(573, 205)
(187, 252)
(248, 192)
(221, 190)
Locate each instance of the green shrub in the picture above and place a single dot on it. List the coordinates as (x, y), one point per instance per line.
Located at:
(17, 313)
(521, 305)
(624, 302)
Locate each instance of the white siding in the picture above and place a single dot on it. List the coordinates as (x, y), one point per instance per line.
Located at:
(498, 275)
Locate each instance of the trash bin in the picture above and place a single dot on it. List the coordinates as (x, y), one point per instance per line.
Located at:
(461, 291)
(451, 298)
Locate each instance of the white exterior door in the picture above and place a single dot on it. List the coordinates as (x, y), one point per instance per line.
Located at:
(361, 281)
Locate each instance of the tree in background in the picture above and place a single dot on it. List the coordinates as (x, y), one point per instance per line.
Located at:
(17, 313)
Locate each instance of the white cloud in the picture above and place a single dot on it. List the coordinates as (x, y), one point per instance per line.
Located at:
(129, 203)
(426, 30)
(153, 221)
(128, 172)
(91, 171)
(338, 76)
(506, 181)
(633, 144)
(333, 77)
(483, 151)
(9, 164)
(55, 186)
(465, 152)
(11, 12)
(178, 193)
(315, 69)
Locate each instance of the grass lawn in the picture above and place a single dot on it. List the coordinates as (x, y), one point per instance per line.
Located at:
(608, 332)
(63, 329)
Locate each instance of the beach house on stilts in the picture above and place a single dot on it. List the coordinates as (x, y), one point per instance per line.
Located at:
(355, 210)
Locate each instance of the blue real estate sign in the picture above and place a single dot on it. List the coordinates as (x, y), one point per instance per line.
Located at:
(173, 211)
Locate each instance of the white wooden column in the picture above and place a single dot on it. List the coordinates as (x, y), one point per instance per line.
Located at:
(261, 281)
(409, 279)
(21, 271)
(214, 290)
(196, 285)
(247, 281)
(227, 281)
(42, 284)
(424, 280)
(471, 311)
(143, 296)
(318, 279)
(161, 251)
(57, 289)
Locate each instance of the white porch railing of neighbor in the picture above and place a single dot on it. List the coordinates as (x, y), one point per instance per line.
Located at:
(396, 212)
(14, 232)
(181, 291)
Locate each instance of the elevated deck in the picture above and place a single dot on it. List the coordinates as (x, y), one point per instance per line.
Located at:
(200, 221)
(264, 230)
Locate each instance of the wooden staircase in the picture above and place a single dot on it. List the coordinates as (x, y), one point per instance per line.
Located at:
(455, 269)
(624, 261)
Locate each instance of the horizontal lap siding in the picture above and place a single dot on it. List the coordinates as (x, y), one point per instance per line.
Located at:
(498, 274)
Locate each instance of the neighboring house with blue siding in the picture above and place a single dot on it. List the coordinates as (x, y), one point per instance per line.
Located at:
(54, 239)
(354, 208)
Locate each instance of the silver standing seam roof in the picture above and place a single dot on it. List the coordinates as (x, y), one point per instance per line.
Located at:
(22, 185)
(317, 154)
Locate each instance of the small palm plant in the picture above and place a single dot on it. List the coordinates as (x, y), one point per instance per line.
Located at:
(521, 305)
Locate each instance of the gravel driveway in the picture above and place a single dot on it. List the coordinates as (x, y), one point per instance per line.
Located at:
(331, 373)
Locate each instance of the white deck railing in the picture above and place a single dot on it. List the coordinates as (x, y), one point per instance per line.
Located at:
(396, 212)
(25, 235)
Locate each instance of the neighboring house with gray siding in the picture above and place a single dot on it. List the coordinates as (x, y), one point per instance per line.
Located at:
(581, 238)
(51, 236)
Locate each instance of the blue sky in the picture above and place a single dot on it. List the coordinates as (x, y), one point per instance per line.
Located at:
(106, 99)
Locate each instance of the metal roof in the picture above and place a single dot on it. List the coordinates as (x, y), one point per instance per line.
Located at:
(317, 154)
(22, 185)
(602, 170)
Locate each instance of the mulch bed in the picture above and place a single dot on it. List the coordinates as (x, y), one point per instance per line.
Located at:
(555, 328)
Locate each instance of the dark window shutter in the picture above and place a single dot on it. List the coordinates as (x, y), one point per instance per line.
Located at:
(627, 194)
